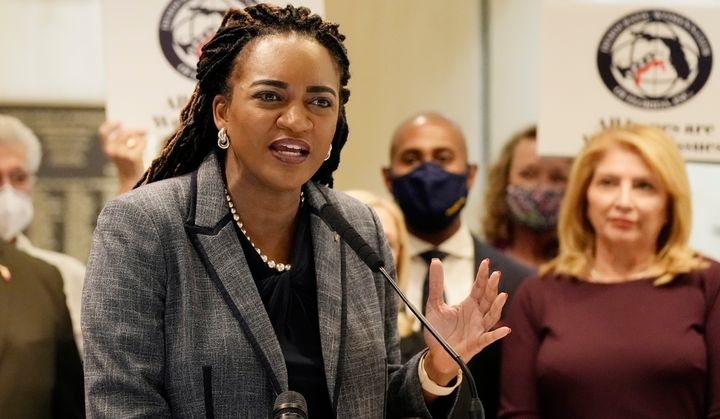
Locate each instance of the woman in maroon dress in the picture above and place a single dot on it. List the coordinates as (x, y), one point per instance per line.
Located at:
(625, 321)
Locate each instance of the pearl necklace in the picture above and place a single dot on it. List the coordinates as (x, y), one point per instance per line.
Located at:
(280, 267)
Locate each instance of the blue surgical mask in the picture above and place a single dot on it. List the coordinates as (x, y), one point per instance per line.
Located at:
(430, 197)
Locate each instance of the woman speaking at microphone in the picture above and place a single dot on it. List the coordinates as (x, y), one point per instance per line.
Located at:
(215, 286)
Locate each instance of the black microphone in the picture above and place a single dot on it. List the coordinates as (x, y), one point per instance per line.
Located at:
(337, 222)
(290, 405)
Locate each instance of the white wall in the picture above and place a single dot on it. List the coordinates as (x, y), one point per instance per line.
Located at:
(513, 36)
(51, 52)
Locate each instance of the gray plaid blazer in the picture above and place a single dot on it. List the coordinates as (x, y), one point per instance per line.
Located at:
(174, 326)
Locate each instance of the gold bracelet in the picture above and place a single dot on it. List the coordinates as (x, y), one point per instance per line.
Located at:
(431, 386)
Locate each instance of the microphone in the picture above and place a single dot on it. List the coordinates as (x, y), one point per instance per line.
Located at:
(290, 405)
(332, 217)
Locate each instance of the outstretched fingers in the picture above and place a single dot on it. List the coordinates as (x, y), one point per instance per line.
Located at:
(489, 320)
(487, 338)
(492, 316)
(437, 281)
(481, 279)
(107, 131)
(485, 287)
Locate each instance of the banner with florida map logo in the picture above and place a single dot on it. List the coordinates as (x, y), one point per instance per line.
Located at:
(151, 50)
(612, 63)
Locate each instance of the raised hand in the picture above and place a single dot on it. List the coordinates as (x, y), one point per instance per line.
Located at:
(468, 326)
(125, 148)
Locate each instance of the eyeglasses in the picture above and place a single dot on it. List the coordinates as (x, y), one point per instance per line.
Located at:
(16, 178)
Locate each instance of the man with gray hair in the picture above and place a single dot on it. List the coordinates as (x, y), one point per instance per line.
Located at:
(20, 155)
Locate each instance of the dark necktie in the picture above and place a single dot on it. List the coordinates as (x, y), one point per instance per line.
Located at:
(428, 257)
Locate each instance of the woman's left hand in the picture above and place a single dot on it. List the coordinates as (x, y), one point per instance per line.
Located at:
(468, 326)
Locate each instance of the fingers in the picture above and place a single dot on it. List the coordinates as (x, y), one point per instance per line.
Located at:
(130, 138)
(133, 141)
(437, 280)
(107, 127)
(487, 338)
(485, 288)
(492, 316)
(107, 131)
(478, 289)
(120, 144)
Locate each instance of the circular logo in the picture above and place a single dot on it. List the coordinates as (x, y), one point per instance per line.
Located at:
(654, 59)
(186, 25)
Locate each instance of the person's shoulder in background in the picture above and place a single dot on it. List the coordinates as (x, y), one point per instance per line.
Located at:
(72, 272)
(22, 264)
(68, 265)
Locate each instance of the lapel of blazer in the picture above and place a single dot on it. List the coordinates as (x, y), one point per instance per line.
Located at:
(211, 230)
(330, 277)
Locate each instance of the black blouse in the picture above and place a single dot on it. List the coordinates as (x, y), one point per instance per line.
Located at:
(290, 299)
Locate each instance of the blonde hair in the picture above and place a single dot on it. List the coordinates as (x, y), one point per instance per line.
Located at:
(405, 319)
(575, 233)
(496, 221)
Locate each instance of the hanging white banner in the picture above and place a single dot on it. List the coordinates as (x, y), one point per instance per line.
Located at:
(151, 51)
(611, 63)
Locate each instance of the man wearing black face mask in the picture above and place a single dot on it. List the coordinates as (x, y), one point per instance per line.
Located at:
(430, 176)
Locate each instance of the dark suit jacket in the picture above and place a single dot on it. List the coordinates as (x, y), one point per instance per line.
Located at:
(174, 325)
(485, 366)
(40, 369)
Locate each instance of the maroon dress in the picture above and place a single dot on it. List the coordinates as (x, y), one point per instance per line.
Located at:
(625, 350)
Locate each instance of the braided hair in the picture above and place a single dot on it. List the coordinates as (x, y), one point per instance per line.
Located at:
(196, 135)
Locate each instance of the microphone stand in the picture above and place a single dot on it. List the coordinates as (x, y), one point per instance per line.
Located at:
(367, 254)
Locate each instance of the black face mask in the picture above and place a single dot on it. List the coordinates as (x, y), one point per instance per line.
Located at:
(430, 197)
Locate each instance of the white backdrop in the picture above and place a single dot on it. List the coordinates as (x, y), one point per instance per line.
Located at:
(608, 63)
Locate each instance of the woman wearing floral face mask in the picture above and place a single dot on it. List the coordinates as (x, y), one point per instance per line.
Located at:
(523, 199)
